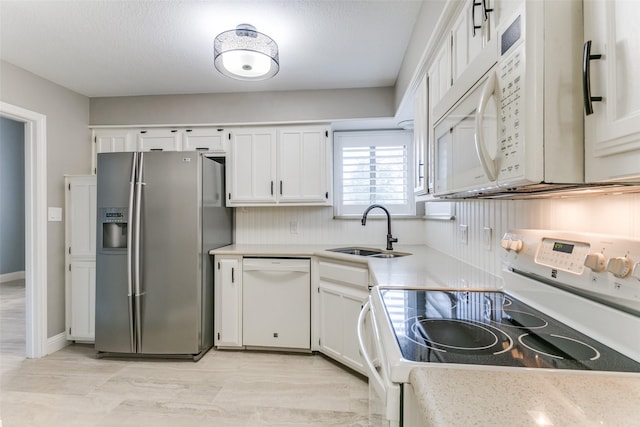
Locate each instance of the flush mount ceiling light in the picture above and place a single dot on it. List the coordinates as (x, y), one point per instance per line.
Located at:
(246, 54)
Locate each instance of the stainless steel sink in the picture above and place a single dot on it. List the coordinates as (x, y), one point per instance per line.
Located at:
(356, 251)
(370, 252)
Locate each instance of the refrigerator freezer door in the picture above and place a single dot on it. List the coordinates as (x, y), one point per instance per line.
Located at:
(114, 317)
(170, 287)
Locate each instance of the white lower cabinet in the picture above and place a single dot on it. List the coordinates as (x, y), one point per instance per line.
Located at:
(342, 291)
(227, 284)
(81, 301)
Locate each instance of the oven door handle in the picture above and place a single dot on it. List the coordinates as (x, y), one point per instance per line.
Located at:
(487, 162)
(374, 376)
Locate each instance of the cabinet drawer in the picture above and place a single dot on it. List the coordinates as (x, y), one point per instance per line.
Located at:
(343, 273)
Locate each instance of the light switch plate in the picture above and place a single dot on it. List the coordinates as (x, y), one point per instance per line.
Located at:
(464, 234)
(487, 235)
(54, 214)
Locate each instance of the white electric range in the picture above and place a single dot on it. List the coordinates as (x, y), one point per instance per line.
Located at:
(570, 301)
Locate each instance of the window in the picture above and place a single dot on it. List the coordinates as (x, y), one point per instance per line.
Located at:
(373, 167)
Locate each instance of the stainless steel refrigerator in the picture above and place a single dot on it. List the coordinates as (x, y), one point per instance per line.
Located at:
(158, 213)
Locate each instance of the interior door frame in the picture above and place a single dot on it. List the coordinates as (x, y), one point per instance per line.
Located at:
(35, 153)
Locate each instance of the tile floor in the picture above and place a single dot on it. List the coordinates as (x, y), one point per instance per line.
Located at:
(225, 388)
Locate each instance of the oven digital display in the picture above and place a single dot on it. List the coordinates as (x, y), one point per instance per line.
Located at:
(563, 247)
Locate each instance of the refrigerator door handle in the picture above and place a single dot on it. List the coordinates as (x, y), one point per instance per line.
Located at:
(132, 185)
(136, 253)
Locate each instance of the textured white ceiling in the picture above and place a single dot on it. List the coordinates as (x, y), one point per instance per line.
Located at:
(118, 48)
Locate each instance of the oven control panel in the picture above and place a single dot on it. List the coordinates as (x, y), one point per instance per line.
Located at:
(600, 267)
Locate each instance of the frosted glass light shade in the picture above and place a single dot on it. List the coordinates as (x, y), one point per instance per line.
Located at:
(246, 54)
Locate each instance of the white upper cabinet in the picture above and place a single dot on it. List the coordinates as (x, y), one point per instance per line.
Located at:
(612, 131)
(303, 168)
(252, 173)
(159, 140)
(204, 139)
(112, 140)
(420, 138)
(468, 52)
(80, 217)
(439, 78)
(284, 165)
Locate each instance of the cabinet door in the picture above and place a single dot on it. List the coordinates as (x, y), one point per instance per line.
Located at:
(470, 32)
(339, 307)
(331, 322)
(439, 78)
(112, 141)
(80, 223)
(253, 167)
(227, 284)
(159, 140)
(204, 139)
(81, 301)
(420, 138)
(302, 165)
(612, 132)
(352, 303)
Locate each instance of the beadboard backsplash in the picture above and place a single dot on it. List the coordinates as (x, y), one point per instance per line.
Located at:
(614, 214)
(315, 225)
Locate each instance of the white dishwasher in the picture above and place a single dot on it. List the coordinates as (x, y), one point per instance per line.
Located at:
(276, 303)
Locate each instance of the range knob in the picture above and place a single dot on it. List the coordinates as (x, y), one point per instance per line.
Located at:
(595, 261)
(512, 244)
(636, 271)
(619, 266)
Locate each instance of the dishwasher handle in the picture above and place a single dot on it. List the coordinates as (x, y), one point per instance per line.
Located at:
(289, 266)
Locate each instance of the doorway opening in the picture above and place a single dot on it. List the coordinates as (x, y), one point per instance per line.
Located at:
(35, 193)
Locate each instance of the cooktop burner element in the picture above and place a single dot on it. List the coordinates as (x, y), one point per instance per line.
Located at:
(559, 347)
(460, 336)
(517, 319)
(490, 328)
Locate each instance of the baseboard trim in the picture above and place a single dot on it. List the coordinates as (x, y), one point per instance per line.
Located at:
(57, 342)
(10, 277)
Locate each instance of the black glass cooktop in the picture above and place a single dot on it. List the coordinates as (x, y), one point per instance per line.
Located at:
(491, 328)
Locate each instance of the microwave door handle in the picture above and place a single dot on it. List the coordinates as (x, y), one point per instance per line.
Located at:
(488, 164)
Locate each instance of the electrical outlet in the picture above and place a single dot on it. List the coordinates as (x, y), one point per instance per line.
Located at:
(293, 227)
(464, 234)
(487, 234)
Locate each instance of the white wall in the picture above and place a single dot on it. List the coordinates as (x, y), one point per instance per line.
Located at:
(239, 108)
(614, 214)
(68, 152)
(317, 226)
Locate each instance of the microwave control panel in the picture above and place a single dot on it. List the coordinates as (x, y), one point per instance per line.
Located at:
(510, 72)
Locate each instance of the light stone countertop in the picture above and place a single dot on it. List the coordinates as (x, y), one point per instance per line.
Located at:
(424, 268)
(464, 396)
(450, 396)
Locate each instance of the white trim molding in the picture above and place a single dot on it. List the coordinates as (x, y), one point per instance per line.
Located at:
(35, 139)
(57, 342)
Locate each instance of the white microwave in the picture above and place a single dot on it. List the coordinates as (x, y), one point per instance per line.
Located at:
(519, 129)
